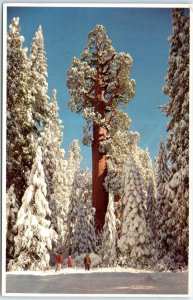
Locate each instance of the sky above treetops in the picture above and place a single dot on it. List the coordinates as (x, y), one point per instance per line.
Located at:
(141, 32)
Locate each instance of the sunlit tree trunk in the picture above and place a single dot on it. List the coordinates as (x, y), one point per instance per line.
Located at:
(99, 170)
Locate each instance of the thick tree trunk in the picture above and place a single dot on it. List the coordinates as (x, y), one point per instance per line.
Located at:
(99, 171)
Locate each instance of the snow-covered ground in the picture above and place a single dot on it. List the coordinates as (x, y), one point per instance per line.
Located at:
(98, 281)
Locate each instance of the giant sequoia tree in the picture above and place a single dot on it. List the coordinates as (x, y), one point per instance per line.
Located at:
(98, 82)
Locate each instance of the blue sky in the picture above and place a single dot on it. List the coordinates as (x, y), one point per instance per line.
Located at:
(141, 32)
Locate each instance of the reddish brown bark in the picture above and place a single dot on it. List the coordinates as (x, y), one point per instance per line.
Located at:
(99, 167)
(99, 171)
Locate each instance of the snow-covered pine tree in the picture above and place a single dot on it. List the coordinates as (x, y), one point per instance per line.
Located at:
(72, 183)
(151, 218)
(109, 238)
(61, 197)
(134, 238)
(177, 109)
(117, 147)
(20, 124)
(39, 74)
(73, 166)
(162, 169)
(164, 235)
(150, 188)
(53, 159)
(73, 210)
(61, 204)
(59, 209)
(74, 159)
(11, 214)
(84, 240)
(120, 143)
(81, 233)
(146, 163)
(34, 237)
(44, 113)
(55, 172)
(155, 168)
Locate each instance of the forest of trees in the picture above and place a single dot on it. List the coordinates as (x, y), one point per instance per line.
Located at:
(127, 210)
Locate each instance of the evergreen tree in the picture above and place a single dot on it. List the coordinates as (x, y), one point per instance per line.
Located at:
(120, 145)
(150, 188)
(39, 74)
(162, 170)
(151, 218)
(98, 82)
(74, 159)
(134, 239)
(177, 109)
(73, 209)
(81, 233)
(41, 106)
(11, 214)
(44, 113)
(109, 238)
(53, 160)
(34, 238)
(83, 240)
(163, 205)
(55, 172)
(165, 237)
(117, 146)
(20, 124)
(59, 209)
(59, 216)
(146, 163)
(72, 167)
(72, 183)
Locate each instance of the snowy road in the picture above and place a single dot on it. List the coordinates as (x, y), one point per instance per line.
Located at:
(99, 283)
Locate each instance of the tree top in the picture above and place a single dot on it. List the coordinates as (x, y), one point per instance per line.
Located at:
(99, 81)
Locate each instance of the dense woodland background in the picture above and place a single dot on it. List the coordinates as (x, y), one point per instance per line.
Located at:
(49, 203)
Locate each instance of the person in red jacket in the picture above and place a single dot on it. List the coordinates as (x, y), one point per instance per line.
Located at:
(58, 261)
(69, 261)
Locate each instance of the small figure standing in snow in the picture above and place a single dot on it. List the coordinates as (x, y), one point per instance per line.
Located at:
(69, 261)
(87, 262)
(58, 261)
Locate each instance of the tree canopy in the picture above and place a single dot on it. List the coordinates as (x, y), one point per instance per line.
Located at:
(99, 81)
